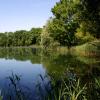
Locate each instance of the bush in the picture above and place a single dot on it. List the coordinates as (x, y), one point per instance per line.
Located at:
(84, 38)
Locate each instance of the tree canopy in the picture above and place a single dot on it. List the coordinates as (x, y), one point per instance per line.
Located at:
(20, 38)
(71, 18)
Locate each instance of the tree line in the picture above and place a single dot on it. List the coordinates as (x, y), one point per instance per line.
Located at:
(20, 38)
(74, 22)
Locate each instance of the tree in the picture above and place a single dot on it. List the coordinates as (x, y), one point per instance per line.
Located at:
(35, 33)
(89, 17)
(20, 38)
(10, 39)
(3, 39)
(64, 25)
(46, 39)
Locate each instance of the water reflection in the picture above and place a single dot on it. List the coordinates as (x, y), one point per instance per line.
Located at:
(32, 70)
(16, 90)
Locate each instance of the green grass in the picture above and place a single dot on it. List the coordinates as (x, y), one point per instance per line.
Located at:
(88, 49)
(68, 92)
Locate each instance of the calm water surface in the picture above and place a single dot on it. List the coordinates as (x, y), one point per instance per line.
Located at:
(27, 71)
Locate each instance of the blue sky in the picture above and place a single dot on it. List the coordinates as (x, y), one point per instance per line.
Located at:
(24, 14)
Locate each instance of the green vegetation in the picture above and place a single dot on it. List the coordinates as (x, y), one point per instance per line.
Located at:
(20, 38)
(62, 67)
(75, 22)
(88, 49)
(67, 88)
(70, 89)
(72, 34)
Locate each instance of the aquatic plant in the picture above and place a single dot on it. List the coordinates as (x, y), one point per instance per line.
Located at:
(66, 88)
(66, 92)
(97, 88)
(14, 84)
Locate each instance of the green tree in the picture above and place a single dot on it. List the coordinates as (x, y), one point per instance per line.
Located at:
(20, 38)
(46, 39)
(89, 17)
(3, 39)
(10, 39)
(35, 33)
(64, 25)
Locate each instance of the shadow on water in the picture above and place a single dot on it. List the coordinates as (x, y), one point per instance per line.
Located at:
(61, 70)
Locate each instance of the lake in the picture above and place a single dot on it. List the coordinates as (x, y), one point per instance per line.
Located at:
(26, 72)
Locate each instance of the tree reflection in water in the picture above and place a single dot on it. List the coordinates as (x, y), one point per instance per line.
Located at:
(58, 66)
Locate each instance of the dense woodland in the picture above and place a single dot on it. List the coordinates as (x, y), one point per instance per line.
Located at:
(74, 22)
(20, 38)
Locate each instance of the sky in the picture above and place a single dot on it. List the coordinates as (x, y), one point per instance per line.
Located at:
(24, 14)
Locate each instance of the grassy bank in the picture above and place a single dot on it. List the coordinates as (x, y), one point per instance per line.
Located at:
(88, 49)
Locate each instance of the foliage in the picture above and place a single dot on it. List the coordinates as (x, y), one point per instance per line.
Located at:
(74, 22)
(3, 39)
(89, 17)
(97, 86)
(67, 90)
(88, 49)
(15, 88)
(56, 64)
(20, 38)
(83, 38)
(73, 15)
(63, 25)
(46, 40)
